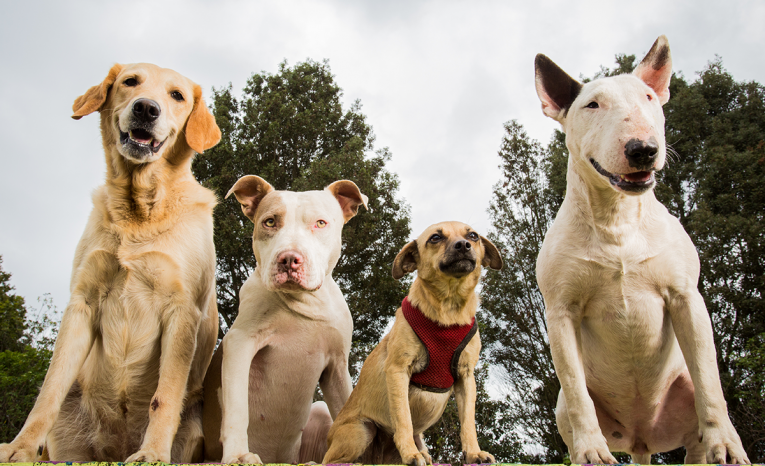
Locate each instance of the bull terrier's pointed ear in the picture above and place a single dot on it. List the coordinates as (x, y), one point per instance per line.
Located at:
(249, 191)
(406, 260)
(491, 257)
(555, 88)
(350, 198)
(94, 98)
(656, 68)
(202, 131)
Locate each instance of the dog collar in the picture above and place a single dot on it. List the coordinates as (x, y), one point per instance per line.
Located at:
(443, 344)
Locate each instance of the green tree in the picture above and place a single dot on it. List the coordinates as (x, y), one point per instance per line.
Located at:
(26, 346)
(290, 129)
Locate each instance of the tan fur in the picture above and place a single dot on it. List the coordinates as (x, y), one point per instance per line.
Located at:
(384, 404)
(293, 331)
(125, 380)
(629, 333)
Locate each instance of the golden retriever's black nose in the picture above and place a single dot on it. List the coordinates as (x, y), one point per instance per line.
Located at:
(641, 154)
(146, 110)
(462, 245)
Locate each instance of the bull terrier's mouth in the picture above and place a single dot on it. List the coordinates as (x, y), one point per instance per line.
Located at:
(140, 140)
(636, 182)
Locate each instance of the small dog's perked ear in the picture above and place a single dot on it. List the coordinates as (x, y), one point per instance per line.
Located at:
(95, 97)
(555, 88)
(350, 198)
(406, 260)
(656, 68)
(491, 257)
(249, 191)
(202, 132)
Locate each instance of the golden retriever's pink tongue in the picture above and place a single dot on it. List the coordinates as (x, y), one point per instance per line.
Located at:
(638, 177)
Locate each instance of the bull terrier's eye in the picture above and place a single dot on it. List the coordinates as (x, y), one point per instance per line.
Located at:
(649, 97)
(321, 224)
(130, 82)
(434, 238)
(592, 105)
(269, 223)
(472, 236)
(177, 96)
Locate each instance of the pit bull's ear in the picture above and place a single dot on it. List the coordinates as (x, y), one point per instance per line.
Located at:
(202, 132)
(406, 260)
(249, 191)
(656, 68)
(350, 198)
(555, 88)
(491, 257)
(94, 98)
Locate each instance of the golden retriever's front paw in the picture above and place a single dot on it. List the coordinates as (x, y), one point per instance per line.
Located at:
(15, 453)
(416, 459)
(479, 457)
(148, 456)
(247, 458)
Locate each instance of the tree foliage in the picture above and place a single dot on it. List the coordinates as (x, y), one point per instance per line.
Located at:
(290, 129)
(26, 346)
(714, 182)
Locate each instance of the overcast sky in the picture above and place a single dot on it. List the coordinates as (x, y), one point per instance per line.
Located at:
(436, 79)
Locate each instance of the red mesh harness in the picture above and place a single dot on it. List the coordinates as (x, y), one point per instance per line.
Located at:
(444, 344)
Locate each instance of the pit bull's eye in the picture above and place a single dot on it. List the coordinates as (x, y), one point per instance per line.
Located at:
(130, 82)
(592, 105)
(321, 224)
(177, 96)
(269, 223)
(472, 236)
(434, 238)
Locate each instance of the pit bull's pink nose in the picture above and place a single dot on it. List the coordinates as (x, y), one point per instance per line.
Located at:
(290, 260)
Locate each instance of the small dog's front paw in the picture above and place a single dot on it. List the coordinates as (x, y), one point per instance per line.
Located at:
(14, 453)
(148, 456)
(479, 457)
(247, 458)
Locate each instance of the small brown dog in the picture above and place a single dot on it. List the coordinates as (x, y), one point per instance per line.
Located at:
(432, 348)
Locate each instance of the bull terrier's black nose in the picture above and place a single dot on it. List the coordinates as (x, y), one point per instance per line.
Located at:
(462, 245)
(641, 154)
(146, 110)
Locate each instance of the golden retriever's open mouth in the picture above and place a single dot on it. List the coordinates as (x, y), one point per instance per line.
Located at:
(636, 182)
(140, 142)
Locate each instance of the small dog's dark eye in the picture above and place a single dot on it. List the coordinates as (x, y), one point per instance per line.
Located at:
(130, 82)
(592, 105)
(434, 238)
(177, 96)
(649, 97)
(473, 236)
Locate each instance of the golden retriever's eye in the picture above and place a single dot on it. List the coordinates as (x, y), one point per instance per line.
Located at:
(435, 238)
(592, 104)
(177, 96)
(130, 82)
(472, 236)
(321, 224)
(269, 223)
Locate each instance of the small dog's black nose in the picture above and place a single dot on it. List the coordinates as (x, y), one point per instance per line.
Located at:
(641, 154)
(146, 110)
(462, 245)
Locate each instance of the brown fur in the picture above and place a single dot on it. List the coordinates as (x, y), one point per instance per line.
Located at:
(384, 418)
(141, 324)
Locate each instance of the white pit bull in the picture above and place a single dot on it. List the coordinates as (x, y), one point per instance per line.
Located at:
(293, 331)
(629, 332)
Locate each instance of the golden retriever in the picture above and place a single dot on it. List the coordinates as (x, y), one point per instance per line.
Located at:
(125, 380)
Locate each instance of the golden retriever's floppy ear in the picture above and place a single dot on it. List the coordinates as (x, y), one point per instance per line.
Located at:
(202, 132)
(93, 99)
(406, 260)
(249, 191)
(491, 257)
(350, 198)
